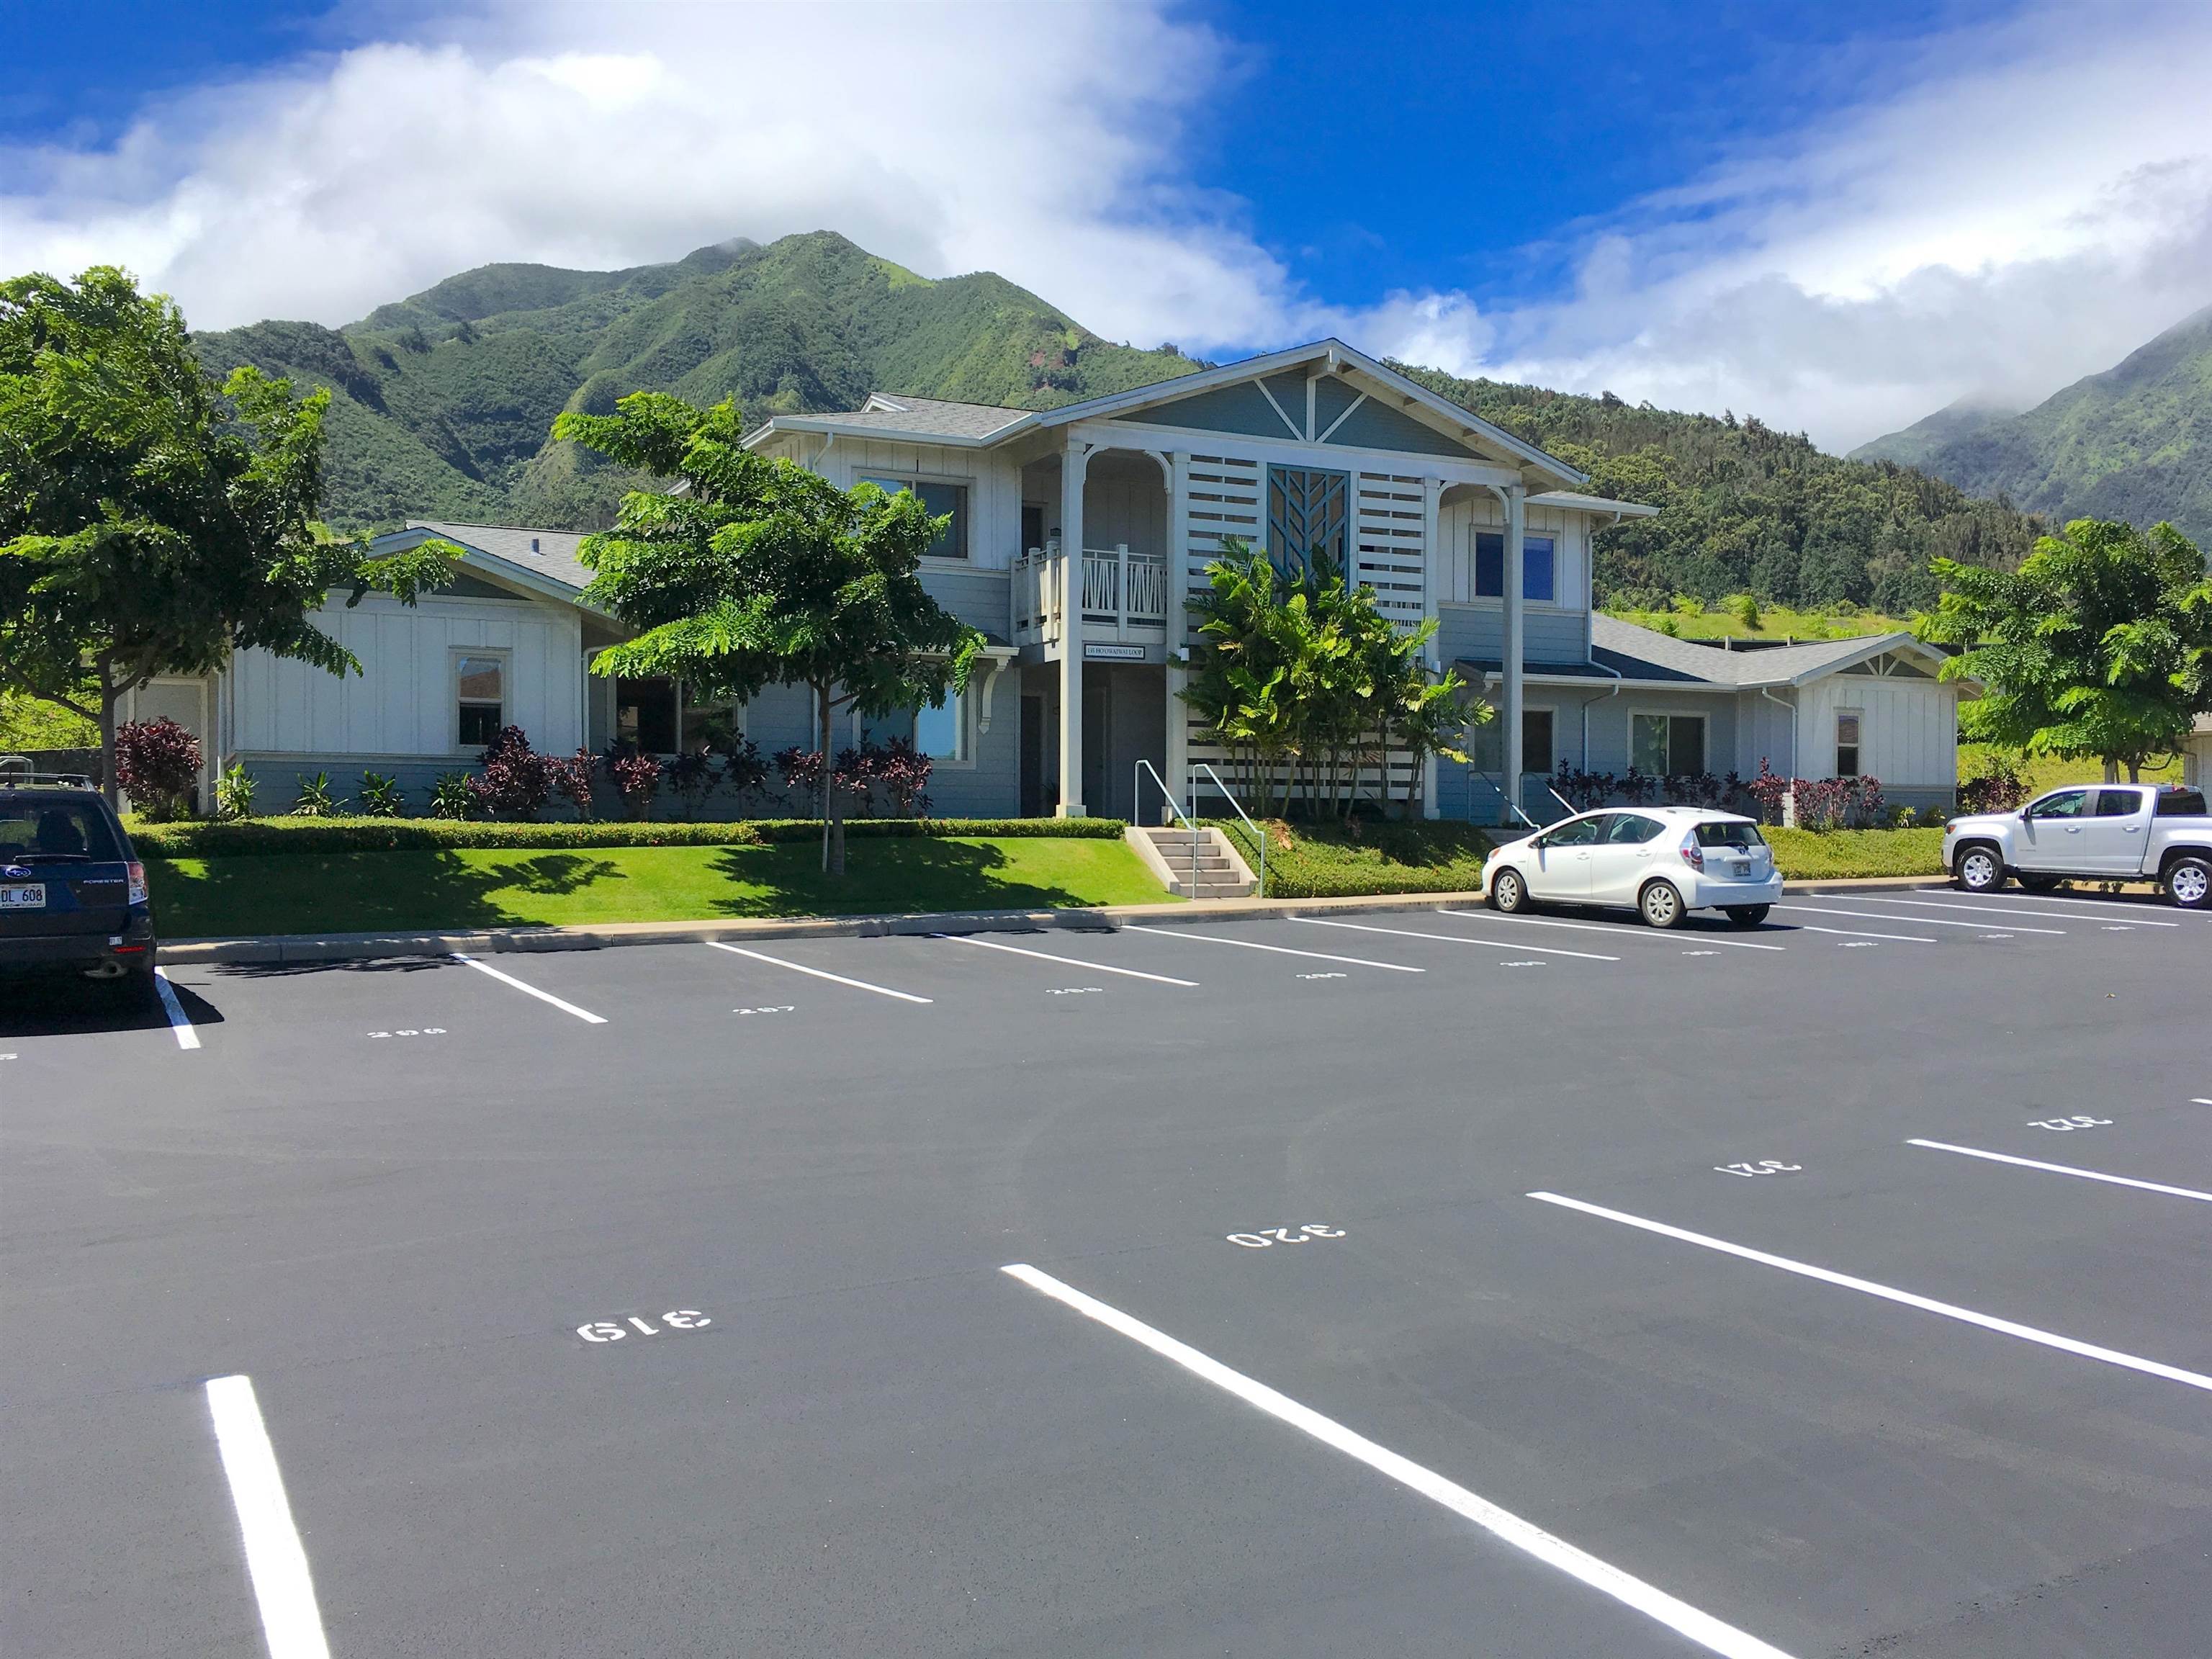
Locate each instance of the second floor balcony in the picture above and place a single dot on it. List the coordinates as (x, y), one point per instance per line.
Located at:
(1123, 595)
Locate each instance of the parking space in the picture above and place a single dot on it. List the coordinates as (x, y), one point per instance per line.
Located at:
(656, 1299)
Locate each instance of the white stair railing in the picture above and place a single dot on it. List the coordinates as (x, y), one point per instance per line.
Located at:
(1258, 836)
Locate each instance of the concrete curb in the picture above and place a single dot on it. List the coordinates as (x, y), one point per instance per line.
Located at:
(601, 935)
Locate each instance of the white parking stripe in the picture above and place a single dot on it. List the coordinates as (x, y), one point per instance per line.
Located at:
(179, 1021)
(1702, 1628)
(1454, 939)
(838, 979)
(275, 1559)
(2124, 906)
(1280, 950)
(1991, 910)
(1657, 935)
(1854, 933)
(1890, 1293)
(1065, 961)
(1917, 921)
(584, 1014)
(2065, 1170)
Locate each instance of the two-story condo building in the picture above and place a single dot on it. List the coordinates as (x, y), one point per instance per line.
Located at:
(1076, 534)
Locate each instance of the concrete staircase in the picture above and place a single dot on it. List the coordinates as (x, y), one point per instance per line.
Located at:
(1215, 871)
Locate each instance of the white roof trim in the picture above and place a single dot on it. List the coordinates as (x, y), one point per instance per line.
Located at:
(846, 429)
(1575, 502)
(396, 541)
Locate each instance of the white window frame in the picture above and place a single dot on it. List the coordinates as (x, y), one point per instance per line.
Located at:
(454, 655)
(1701, 715)
(956, 562)
(1857, 747)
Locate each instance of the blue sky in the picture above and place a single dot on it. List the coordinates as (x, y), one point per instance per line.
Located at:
(1839, 217)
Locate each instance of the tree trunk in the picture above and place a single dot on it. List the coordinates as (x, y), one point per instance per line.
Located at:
(833, 806)
(822, 707)
(2134, 769)
(109, 698)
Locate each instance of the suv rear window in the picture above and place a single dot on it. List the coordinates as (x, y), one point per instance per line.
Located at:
(1729, 835)
(2181, 803)
(34, 831)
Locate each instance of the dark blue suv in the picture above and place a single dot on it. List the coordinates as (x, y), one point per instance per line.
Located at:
(72, 891)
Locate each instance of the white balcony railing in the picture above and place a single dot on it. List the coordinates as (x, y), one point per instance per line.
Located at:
(1124, 595)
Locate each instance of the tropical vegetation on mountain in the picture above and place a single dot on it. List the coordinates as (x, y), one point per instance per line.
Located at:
(1747, 508)
(2100, 646)
(441, 405)
(151, 522)
(2133, 443)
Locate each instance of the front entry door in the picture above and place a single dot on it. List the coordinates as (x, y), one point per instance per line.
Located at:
(1097, 731)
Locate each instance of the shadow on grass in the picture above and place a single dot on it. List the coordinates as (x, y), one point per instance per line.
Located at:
(886, 875)
(362, 892)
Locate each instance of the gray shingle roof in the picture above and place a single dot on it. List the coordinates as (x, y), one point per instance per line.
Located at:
(1684, 659)
(548, 553)
(926, 417)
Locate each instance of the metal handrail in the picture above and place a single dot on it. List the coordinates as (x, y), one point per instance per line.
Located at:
(1258, 836)
(1571, 808)
(1137, 807)
(1506, 797)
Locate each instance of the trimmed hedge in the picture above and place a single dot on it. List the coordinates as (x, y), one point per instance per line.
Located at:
(1844, 854)
(1304, 861)
(203, 839)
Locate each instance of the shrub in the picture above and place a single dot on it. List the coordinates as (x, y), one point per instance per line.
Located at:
(903, 771)
(637, 781)
(513, 778)
(380, 796)
(233, 793)
(743, 768)
(1744, 607)
(452, 796)
(1767, 793)
(800, 769)
(200, 838)
(1997, 787)
(158, 763)
(693, 776)
(571, 779)
(315, 800)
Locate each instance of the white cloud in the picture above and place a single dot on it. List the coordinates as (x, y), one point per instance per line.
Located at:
(2030, 202)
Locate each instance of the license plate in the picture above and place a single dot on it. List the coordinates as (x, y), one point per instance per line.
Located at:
(32, 897)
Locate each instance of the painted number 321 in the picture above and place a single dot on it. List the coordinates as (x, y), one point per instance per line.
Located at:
(677, 1319)
(1268, 1238)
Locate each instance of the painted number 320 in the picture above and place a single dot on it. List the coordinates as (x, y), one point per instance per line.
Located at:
(677, 1319)
(1268, 1238)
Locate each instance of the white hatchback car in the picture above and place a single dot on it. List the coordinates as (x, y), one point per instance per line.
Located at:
(1664, 860)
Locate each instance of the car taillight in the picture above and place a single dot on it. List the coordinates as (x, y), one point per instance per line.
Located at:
(137, 879)
(1693, 854)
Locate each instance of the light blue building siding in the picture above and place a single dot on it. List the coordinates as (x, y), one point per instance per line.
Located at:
(981, 599)
(988, 785)
(1242, 408)
(1376, 425)
(1478, 631)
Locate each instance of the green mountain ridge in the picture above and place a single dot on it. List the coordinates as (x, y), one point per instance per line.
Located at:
(1915, 443)
(2133, 442)
(442, 403)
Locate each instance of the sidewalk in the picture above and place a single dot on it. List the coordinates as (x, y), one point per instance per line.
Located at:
(598, 936)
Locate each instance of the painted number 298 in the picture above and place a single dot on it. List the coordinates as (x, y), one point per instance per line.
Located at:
(1268, 1238)
(676, 1319)
(1764, 1166)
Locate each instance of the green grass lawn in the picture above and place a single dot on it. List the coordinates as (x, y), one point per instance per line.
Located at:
(479, 887)
(1776, 622)
(2042, 772)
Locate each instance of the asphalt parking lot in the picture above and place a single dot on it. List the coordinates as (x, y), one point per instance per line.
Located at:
(1415, 1283)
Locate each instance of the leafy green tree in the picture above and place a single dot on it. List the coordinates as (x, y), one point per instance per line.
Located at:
(2100, 645)
(747, 573)
(150, 522)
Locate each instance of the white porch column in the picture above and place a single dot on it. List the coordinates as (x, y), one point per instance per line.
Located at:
(1433, 493)
(1516, 498)
(1075, 463)
(1177, 634)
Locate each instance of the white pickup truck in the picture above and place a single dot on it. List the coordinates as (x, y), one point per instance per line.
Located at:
(2090, 832)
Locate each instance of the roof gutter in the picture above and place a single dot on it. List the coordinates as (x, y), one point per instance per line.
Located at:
(1792, 708)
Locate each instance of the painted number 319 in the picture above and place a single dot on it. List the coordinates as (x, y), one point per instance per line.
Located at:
(1268, 1237)
(677, 1319)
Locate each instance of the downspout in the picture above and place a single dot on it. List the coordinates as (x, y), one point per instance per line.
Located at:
(1792, 708)
(1587, 702)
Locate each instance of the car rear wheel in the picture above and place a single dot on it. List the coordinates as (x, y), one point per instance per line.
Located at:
(1747, 915)
(1662, 905)
(1507, 892)
(2189, 882)
(1978, 868)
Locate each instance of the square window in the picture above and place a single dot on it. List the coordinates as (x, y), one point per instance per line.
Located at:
(711, 726)
(938, 501)
(1668, 746)
(645, 715)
